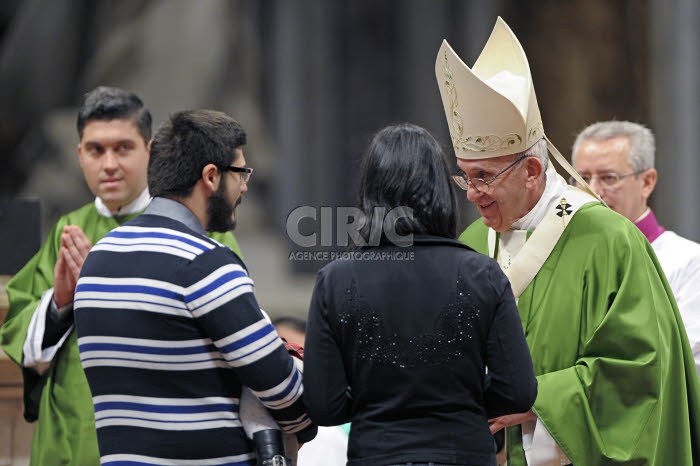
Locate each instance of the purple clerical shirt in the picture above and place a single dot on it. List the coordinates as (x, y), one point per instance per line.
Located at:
(649, 226)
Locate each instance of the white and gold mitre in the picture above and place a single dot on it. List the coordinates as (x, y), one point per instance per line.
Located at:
(491, 108)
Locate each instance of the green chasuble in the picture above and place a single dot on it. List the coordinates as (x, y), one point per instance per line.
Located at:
(65, 432)
(616, 378)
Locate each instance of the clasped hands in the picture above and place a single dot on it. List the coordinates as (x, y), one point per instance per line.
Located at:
(75, 247)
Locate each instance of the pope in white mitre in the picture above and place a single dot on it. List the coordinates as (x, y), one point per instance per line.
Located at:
(616, 377)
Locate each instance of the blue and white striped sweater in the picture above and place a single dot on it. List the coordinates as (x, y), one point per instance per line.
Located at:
(173, 313)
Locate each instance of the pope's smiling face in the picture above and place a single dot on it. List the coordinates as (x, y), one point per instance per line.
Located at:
(504, 201)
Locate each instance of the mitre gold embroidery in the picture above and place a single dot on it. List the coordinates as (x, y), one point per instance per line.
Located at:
(476, 143)
(536, 132)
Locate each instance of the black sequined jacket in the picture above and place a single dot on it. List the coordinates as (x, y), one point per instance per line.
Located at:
(398, 341)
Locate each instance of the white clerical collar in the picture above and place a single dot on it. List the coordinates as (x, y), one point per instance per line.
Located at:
(136, 205)
(643, 216)
(554, 188)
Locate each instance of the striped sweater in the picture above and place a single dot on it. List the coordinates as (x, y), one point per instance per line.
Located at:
(169, 330)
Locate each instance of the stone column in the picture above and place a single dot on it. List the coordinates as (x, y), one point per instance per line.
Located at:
(675, 113)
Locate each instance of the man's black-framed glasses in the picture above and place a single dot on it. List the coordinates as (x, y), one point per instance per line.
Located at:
(481, 185)
(245, 172)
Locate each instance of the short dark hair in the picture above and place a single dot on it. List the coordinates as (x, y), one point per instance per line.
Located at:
(405, 167)
(109, 103)
(185, 144)
(297, 323)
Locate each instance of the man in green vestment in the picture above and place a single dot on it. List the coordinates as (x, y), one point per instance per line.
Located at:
(115, 132)
(616, 377)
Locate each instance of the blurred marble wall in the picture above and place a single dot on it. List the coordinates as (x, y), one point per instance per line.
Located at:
(175, 54)
(312, 80)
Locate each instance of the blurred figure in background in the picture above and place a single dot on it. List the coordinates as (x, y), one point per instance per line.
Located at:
(616, 158)
(400, 347)
(291, 328)
(330, 446)
(114, 129)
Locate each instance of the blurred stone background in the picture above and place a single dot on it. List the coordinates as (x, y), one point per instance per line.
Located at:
(312, 80)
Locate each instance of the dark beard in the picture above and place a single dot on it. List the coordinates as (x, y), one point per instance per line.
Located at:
(220, 212)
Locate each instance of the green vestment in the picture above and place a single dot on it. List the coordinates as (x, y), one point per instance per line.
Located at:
(65, 432)
(616, 378)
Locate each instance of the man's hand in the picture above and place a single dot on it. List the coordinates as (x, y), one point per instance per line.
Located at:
(499, 423)
(74, 249)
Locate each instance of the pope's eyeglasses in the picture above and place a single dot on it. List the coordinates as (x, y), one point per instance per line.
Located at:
(481, 185)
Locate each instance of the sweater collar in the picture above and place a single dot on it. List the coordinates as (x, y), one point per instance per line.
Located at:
(177, 211)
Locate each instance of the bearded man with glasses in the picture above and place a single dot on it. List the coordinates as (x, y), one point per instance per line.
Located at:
(114, 135)
(616, 158)
(614, 369)
(168, 326)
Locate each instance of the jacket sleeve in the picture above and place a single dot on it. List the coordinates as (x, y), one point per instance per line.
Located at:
(326, 391)
(513, 386)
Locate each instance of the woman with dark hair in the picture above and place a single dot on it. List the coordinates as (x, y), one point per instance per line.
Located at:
(401, 333)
